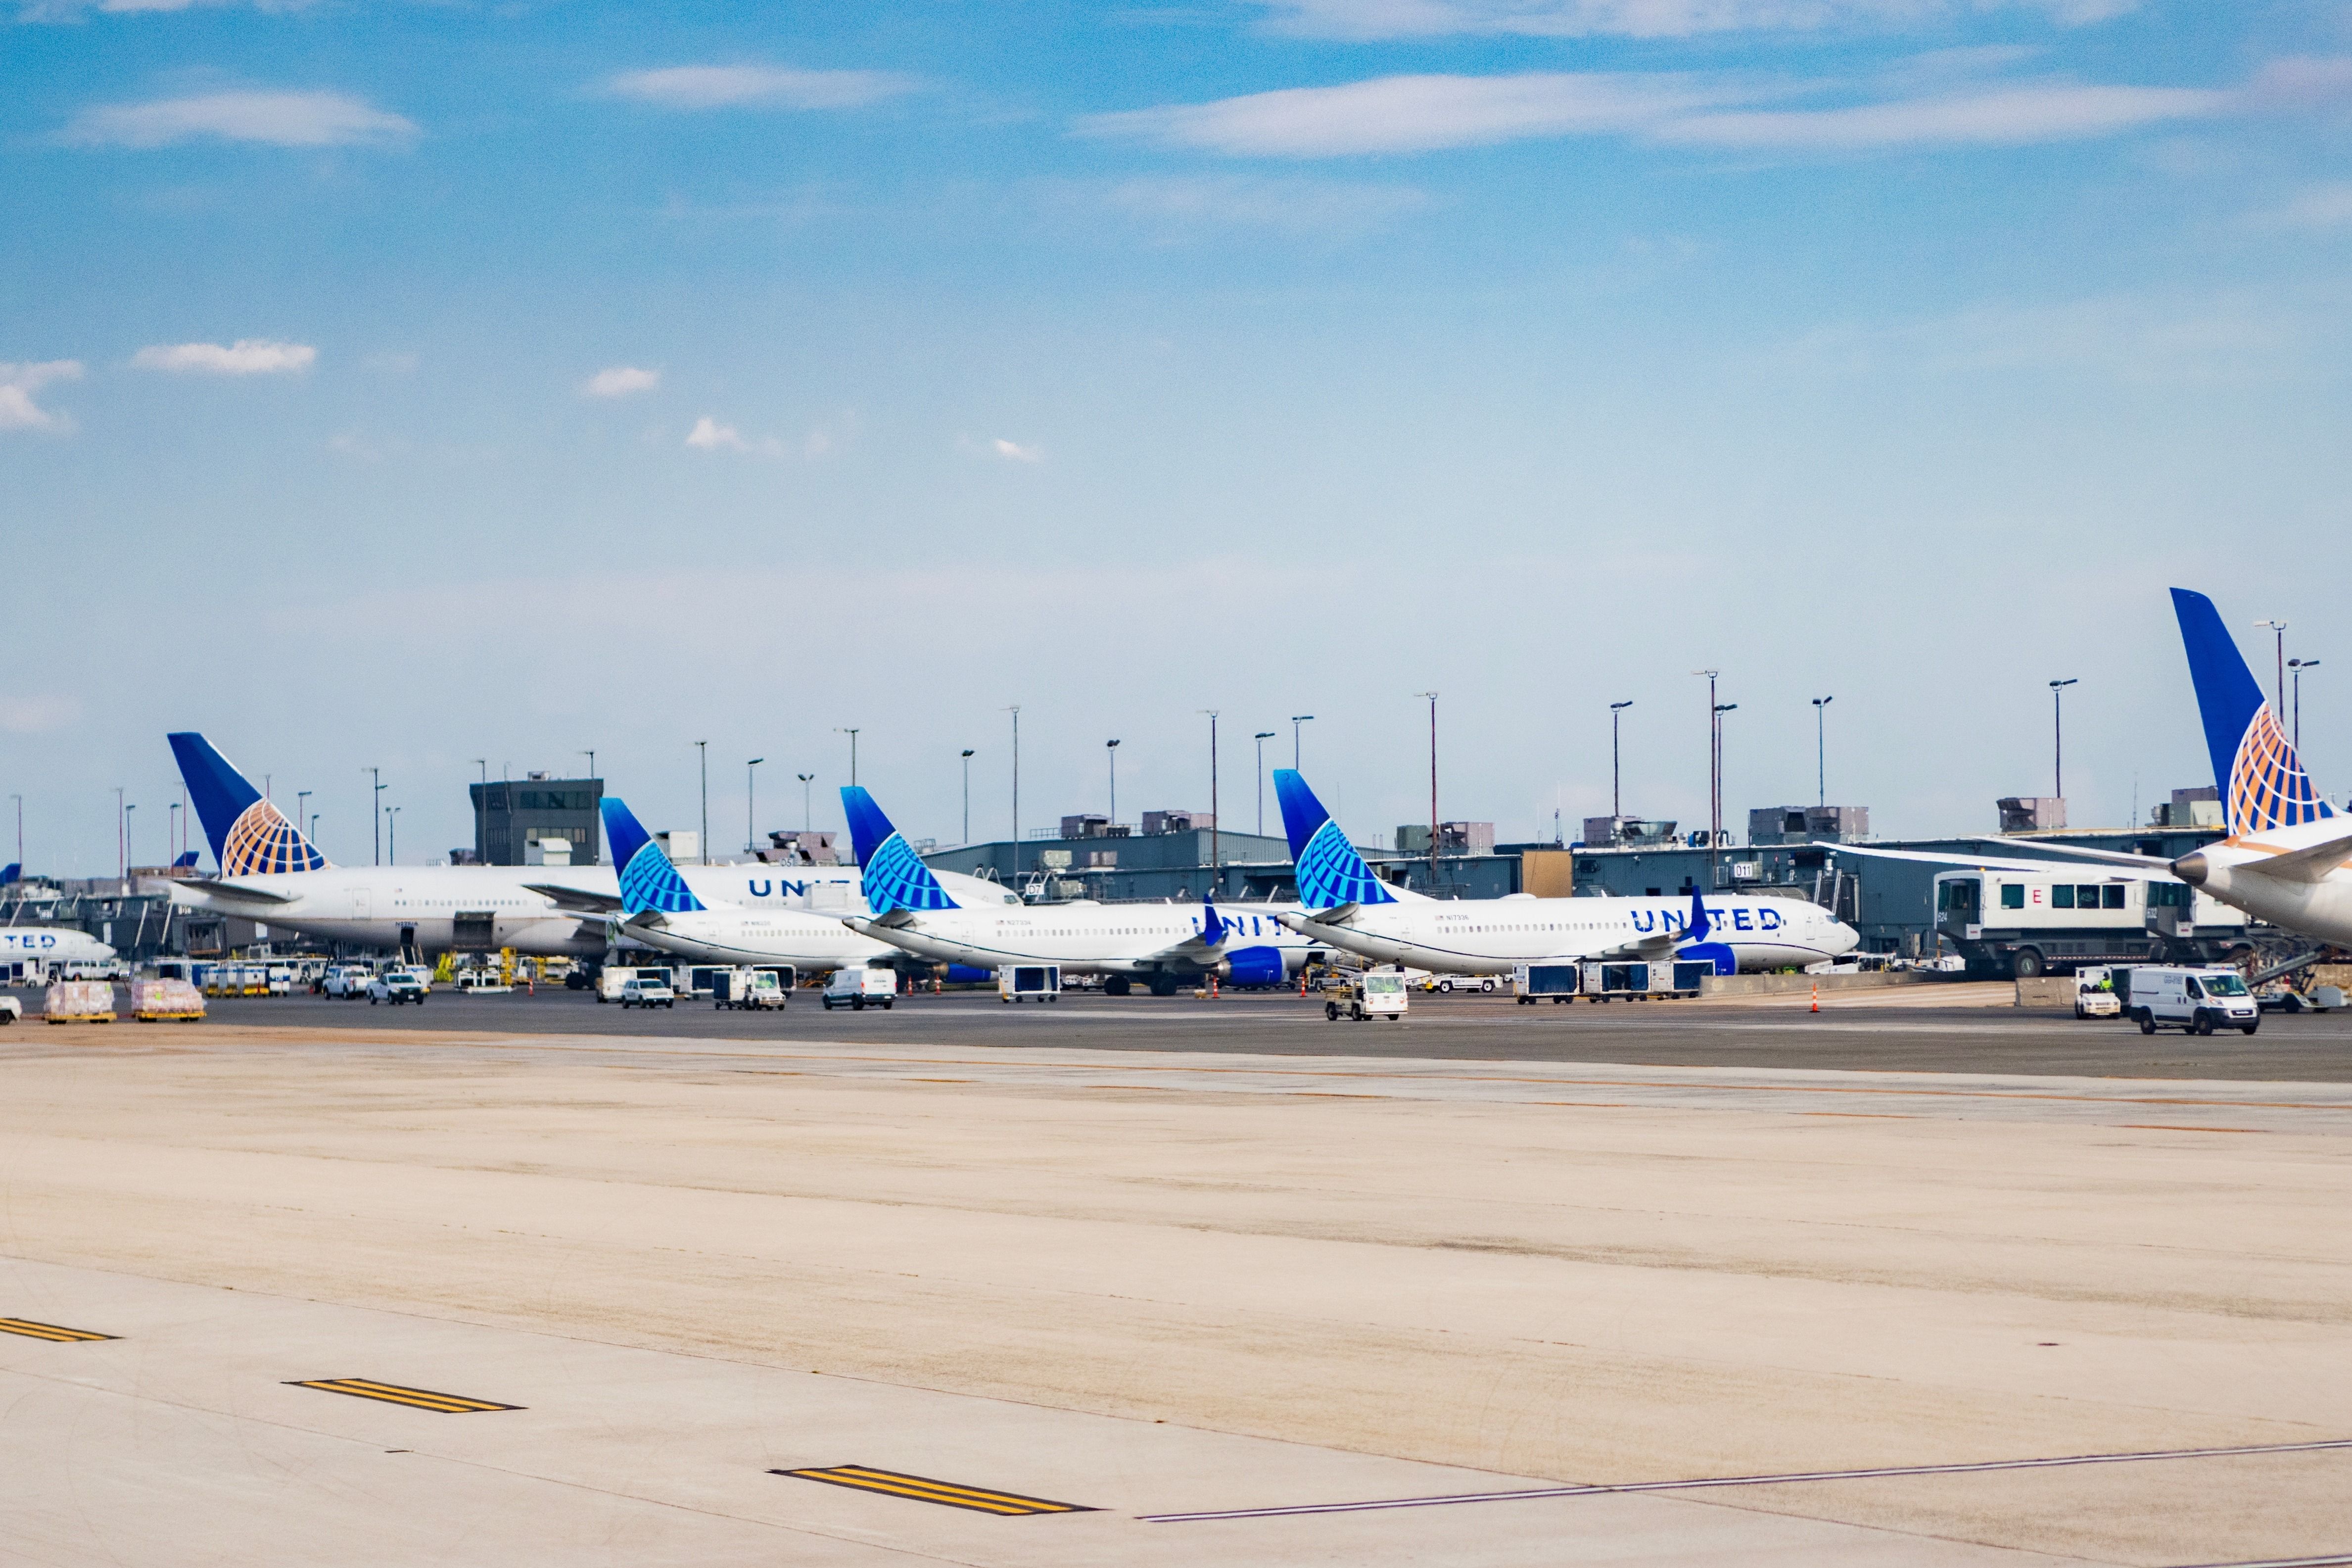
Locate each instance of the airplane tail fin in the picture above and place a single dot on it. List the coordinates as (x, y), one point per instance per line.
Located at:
(248, 834)
(893, 879)
(649, 881)
(1700, 926)
(1213, 924)
(2260, 778)
(13, 871)
(1330, 871)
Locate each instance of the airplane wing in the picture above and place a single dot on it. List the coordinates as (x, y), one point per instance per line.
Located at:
(2311, 865)
(2149, 865)
(574, 901)
(231, 891)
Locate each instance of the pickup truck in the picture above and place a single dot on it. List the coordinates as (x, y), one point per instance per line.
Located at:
(396, 986)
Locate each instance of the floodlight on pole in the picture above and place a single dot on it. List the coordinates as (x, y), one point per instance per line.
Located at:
(2058, 736)
(2278, 633)
(702, 761)
(1216, 854)
(1822, 749)
(2298, 666)
(806, 812)
(750, 804)
(1432, 698)
(967, 794)
(1616, 779)
(375, 810)
(852, 733)
(1296, 720)
(1110, 748)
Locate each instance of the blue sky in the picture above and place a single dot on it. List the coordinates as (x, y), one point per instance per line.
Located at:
(404, 384)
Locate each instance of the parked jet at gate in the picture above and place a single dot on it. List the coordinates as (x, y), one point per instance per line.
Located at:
(1343, 903)
(2288, 856)
(1165, 945)
(657, 909)
(49, 946)
(269, 871)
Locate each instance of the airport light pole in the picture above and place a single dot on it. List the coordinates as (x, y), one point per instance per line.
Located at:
(1217, 855)
(1262, 737)
(1296, 720)
(2278, 632)
(2299, 666)
(301, 807)
(1432, 696)
(807, 817)
(1110, 749)
(314, 826)
(702, 845)
(750, 806)
(1714, 848)
(375, 810)
(1015, 710)
(393, 813)
(1616, 778)
(127, 855)
(1714, 763)
(2058, 736)
(853, 753)
(1822, 749)
(967, 794)
(590, 755)
(20, 832)
(172, 832)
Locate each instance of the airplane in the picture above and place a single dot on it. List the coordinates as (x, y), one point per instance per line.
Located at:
(50, 945)
(1343, 903)
(1163, 945)
(657, 909)
(269, 871)
(2287, 859)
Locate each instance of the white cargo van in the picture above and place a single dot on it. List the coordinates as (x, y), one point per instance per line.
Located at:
(2197, 1000)
(859, 985)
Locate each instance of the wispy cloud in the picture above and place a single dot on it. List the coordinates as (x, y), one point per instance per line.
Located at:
(2050, 112)
(247, 356)
(1181, 206)
(999, 447)
(2138, 339)
(1645, 18)
(759, 87)
(620, 381)
(273, 119)
(1426, 113)
(2320, 207)
(18, 382)
(29, 715)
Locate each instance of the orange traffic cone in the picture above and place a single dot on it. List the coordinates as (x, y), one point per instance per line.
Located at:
(1817, 995)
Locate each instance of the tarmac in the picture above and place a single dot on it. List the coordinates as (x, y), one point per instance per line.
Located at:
(527, 1279)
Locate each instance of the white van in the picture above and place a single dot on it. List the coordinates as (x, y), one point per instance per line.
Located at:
(858, 985)
(2197, 1000)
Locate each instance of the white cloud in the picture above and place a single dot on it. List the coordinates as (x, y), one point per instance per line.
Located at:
(1424, 113)
(275, 119)
(620, 381)
(710, 435)
(2052, 111)
(1644, 18)
(2322, 207)
(1311, 209)
(758, 86)
(30, 715)
(1014, 453)
(247, 356)
(18, 382)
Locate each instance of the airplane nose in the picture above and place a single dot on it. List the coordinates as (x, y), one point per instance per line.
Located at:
(2191, 867)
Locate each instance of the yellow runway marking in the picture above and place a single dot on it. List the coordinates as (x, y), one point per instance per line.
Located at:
(51, 1332)
(394, 1393)
(922, 1489)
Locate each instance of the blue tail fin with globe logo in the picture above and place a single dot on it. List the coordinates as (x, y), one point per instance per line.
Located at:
(648, 880)
(1330, 871)
(893, 878)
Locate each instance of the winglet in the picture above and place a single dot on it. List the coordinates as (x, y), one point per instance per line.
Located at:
(648, 880)
(248, 834)
(1329, 870)
(2262, 780)
(893, 878)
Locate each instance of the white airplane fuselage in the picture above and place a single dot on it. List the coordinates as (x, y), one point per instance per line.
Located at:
(1092, 938)
(51, 945)
(380, 906)
(2229, 870)
(1491, 936)
(806, 942)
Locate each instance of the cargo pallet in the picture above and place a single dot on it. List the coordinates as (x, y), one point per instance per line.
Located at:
(169, 1017)
(82, 1018)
